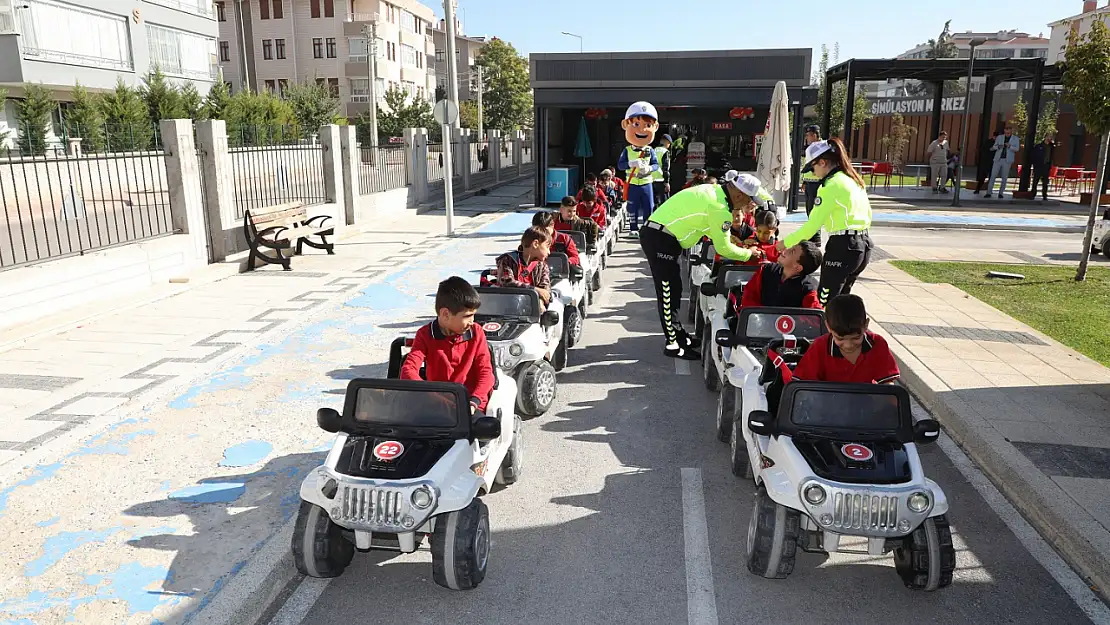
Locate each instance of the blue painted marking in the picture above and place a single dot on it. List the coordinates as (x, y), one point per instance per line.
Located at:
(219, 492)
(48, 522)
(233, 378)
(56, 547)
(41, 473)
(139, 586)
(511, 224)
(118, 447)
(381, 296)
(246, 454)
(165, 485)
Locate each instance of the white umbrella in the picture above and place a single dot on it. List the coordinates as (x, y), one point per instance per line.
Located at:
(774, 158)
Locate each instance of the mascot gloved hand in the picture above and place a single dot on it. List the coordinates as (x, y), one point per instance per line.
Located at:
(638, 160)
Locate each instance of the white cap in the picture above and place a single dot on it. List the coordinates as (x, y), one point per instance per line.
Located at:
(731, 175)
(641, 108)
(747, 183)
(815, 149)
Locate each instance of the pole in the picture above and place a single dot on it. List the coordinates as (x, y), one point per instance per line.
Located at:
(371, 34)
(963, 135)
(245, 82)
(448, 189)
(452, 63)
(481, 120)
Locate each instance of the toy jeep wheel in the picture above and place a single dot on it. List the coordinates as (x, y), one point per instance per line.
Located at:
(460, 547)
(726, 411)
(319, 548)
(739, 460)
(536, 382)
(609, 245)
(926, 559)
(1106, 245)
(692, 313)
(511, 466)
(772, 537)
(596, 283)
(574, 327)
(559, 358)
(708, 367)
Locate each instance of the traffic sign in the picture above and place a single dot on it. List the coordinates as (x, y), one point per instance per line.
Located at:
(445, 112)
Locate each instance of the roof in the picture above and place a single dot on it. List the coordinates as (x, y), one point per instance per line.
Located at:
(946, 69)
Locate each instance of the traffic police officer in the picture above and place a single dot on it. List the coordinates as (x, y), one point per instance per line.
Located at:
(809, 180)
(661, 178)
(677, 225)
(842, 207)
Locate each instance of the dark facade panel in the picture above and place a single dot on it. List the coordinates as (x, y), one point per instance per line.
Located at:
(706, 97)
(729, 65)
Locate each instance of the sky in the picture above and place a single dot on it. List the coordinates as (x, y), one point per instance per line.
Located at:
(864, 28)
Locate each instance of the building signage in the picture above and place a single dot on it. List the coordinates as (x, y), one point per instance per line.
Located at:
(915, 106)
(695, 156)
(722, 125)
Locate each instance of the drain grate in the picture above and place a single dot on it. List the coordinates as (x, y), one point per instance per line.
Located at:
(973, 334)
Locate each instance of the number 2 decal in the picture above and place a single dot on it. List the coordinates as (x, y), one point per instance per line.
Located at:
(855, 451)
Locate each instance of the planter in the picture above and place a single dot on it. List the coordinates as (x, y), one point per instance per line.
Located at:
(1085, 199)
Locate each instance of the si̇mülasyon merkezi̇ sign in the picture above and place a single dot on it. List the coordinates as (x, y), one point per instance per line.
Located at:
(915, 106)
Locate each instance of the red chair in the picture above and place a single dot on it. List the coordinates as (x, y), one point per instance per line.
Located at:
(1072, 176)
(1053, 178)
(885, 170)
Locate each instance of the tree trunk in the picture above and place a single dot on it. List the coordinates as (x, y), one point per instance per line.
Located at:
(1096, 195)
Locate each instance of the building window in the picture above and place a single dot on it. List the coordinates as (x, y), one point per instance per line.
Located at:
(409, 87)
(408, 22)
(408, 55)
(317, 48)
(333, 87)
(390, 13)
(391, 51)
(280, 45)
(283, 86)
(60, 33)
(225, 51)
(419, 59)
(279, 9)
(264, 9)
(220, 15)
(329, 8)
(267, 49)
(331, 47)
(181, 54)
(315, 4)
(270, 86)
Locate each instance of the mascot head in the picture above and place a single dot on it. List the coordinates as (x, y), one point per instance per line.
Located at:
(640, 123)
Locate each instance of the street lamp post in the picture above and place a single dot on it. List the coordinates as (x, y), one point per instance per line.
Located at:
(967, 116)
(578, 37)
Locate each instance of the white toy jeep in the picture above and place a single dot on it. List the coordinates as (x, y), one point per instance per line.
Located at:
(1101, 240)
(841, 460)
(592, 259)
(699, 264)
(527, 343)
(569, 286)
(716, 309)
(408, 462)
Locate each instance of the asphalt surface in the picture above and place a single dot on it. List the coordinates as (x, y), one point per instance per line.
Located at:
(595, 532)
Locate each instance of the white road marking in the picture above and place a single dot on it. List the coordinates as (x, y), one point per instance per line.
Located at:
(681, 367)
(299, 603)
(1068, 579)
(701, 598)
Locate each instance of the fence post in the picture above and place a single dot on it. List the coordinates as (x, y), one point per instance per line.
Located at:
(416, 140)
(352, 166)
(495, 139)
(219, 189)
(460, 143)
(409, 135)
(333, 164)
(518, 152)
(183, 178)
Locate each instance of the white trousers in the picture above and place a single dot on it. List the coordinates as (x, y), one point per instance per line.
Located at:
(1000, 169)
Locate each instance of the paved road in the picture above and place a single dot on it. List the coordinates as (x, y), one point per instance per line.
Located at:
(1006, 246)
(600, 528)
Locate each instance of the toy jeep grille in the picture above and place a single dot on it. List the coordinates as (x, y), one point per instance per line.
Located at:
(377, 506)
(864, 512)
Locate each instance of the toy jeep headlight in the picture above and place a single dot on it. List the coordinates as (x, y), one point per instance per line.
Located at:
(422, 497)
(918, 502)
(515, 350)
(814, 495)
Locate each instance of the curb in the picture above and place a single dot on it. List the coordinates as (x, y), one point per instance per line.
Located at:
(914, 225)
(1060, 521)
(996, 208)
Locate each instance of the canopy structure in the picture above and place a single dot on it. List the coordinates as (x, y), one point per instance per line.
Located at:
(937, 71)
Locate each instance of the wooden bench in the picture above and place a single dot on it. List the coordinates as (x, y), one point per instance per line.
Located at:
(277, 227)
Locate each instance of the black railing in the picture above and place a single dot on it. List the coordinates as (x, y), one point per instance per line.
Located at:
(479, 156)
(56, 204)
(435, 162)
(382, 168)
(507, 153)
(275, 166)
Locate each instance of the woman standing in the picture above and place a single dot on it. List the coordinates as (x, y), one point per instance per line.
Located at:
(842, 208)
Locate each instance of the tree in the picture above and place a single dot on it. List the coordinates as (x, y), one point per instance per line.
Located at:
(1019, 116)
(942, 47)
(163, 100)
(1086, 85)
(313, 105)
(215, 103)
(508, 96)
(126, 119)
(1046, 123)
(399, 113)
(897, 141)
(259, 119)
(468, 114)
(191, 103)
(861, 111)
(34, 111)
(86, 119)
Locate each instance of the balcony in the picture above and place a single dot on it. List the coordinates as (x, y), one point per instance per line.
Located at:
(202, 8)
(357, 66)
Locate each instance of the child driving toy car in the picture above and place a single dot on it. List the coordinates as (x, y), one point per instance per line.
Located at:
(592, 208)
(561, 241)
(849, 352)
(568, 219)
(785, 283)
(451, 348)
(527, 265)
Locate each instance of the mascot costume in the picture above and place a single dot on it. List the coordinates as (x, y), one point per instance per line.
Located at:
(639, 161)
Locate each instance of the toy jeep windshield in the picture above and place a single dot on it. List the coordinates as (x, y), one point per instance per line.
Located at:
(730, 277)
(757, 326)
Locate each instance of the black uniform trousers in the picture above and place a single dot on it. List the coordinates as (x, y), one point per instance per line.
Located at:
(846, 256)
(811, 189)
(1040, 174)
(659, 189)
(663, 251)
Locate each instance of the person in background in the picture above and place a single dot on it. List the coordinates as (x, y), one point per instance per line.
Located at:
(954, 168)
(1041, 159)
(700, 177)
(938, 161)
(592, 181)
(810, 181)
(1005, 149)
(661, 178)
(983, 169)
(608, 186)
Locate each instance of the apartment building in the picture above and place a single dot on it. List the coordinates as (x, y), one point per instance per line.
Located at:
(1080, 24)
(96, 42)
(269, 44)
(467, 50)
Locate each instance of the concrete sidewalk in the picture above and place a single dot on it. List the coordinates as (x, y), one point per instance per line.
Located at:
(1034, 414)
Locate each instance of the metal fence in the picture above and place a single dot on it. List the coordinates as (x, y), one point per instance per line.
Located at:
(382, 168)
(57, 204)
(276, 166)
(435, 162)
(507, 156)
(526, 153)
(479, 156)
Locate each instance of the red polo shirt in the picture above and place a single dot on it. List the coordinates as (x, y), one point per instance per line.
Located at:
(565, 244)
(823, 362)
(463, 359)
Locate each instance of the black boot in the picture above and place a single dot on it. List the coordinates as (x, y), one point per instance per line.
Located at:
(682, 353)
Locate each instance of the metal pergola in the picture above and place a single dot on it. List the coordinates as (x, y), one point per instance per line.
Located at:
(936, 71)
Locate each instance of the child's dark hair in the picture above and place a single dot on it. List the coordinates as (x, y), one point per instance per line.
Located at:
(589, 194)
(811, 257)
(767, 219)
(845, 315)
(543, 219)
(591, 177)
(457, 295)
(569, 201)
(533, 234)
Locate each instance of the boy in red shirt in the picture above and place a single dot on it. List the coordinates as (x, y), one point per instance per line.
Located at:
(591, 208)
(451, 348)
(762, 239)
(561, 241)
(785, 283)
(527, 265)
(849, 352)
(568, 219)
(592, 182)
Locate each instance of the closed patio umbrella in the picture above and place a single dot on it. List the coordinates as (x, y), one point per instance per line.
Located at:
(582, 148)
(775, 158)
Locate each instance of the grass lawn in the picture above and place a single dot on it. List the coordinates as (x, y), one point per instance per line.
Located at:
(1076, 314)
